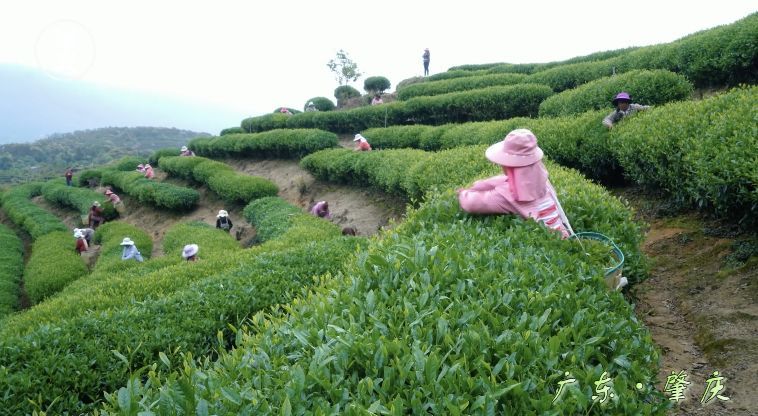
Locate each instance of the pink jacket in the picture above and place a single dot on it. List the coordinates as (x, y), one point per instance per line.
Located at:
(149, 173)
(114, 198)
(319, 208)
(526, 191)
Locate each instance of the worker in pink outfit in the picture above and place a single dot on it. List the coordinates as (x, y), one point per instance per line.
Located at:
(149, 174)
(321, 209)
(524, 189)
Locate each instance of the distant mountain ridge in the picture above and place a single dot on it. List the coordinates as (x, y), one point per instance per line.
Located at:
(80, 149)
(35, 105)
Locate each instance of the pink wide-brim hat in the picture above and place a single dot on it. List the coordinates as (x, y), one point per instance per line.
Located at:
(519, 148)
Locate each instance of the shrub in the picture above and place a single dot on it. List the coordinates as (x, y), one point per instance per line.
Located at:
(396, 331)
(450, 74)
(277, 219)
(285, 143)
(231, 130)
(696, 152)
(178, 308)
(80, 199)
(477, 105)
(645, 87)
(459, 84)
(155, 158)
(24, 213)
(53, 264)
(374, 85)
(127, 163)
(321, 104)
(265, 122)
(409, 81)
(344, 93)
(109, 236)
(566, 77)
(238, 188)
(11, 269)
(181, 166)
(89, 177)
(394, 137)
(147, 191)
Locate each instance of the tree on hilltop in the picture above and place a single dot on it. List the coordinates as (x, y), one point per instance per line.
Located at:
(344, 68)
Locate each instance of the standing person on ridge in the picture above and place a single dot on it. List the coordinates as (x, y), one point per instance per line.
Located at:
(425, 57)
(69, 176)
(523, 189)
(624, 107)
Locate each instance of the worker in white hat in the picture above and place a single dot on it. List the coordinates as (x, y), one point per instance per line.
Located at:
(362, 143)
(130, 250)
(223, 222)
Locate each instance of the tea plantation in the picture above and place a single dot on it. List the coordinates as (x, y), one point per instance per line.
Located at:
(444, 313)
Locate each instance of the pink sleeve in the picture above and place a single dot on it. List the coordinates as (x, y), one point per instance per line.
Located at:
(484, 202)
(489, 183)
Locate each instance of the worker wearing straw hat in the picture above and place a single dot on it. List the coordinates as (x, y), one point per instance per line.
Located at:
(223, 222)
(190, 251)
(624, 107)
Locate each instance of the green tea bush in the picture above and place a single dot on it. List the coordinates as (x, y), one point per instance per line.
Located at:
(276, 220)
(80, 199)
(147, 191)
(581, 142)
(646, 87)
(240, 188)
(27, 215)
(459, 84)
(419, 173)
(697, 152)
(231, 130)
(88, 177)
(482, 104)
(127, 317)
(376, 84)
(321, 104)
(221, 178)
(128, 163)
(345, 92)
(385, 170)
(395, 137)
(478, 105)
(155, 158)
(11, 269)
(285, 144)
(181, 166)
(566, 77)
(453, 73)
(53, 264)
(109, 236)
(396, 333)
(265, 122)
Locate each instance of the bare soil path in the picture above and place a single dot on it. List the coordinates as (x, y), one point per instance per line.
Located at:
(701, 307)
(366, 210)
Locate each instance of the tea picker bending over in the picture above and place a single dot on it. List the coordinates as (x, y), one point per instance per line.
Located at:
(523, 189)
(321, 209)
(130, 250)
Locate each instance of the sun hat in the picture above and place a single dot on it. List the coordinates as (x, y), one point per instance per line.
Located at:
(621, 96)
(108, 192)
(140, 165)
(78, 234)
(127, 242)
(519, 148)
(222, 213)
(96, 204)
(190, 250)
(359, 137)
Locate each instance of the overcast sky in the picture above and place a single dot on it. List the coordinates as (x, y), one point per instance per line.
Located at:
(249, 57)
